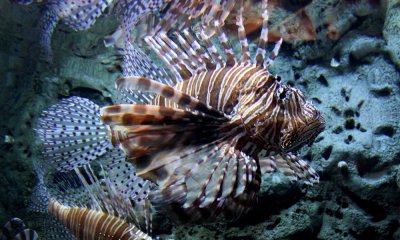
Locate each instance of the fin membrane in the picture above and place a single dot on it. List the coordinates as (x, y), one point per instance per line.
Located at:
(81, 15)
(72, 133)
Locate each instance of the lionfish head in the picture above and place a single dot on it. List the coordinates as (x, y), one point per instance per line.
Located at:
(280, 117)
(302, 121)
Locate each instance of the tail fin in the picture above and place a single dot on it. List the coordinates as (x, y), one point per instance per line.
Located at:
(72, 133)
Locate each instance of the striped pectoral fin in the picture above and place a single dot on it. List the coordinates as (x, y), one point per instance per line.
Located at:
(168, 92)
(143, 140)
(291, 166)
(267, 164)
(205, 178)
(145, 129)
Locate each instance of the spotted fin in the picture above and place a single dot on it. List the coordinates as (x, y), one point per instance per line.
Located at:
(117, 192)
(124, 182)
(136, 63)
(83, 15)
(50, 228)
(72, 133)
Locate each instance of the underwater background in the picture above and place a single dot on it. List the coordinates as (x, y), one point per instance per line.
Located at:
(343, 54)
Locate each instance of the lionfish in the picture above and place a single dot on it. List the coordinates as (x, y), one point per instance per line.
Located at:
(78, 15)
(15, 229)
(201, 136)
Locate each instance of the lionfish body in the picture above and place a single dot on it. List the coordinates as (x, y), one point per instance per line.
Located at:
(201, 138)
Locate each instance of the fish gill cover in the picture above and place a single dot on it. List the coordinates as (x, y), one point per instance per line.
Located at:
(201, 122)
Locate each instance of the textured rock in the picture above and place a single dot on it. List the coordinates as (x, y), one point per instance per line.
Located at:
(391, 30)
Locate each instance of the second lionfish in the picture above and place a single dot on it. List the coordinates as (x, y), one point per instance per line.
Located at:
(205, 134)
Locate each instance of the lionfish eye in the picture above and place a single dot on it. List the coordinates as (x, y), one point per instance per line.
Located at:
(282, 93)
